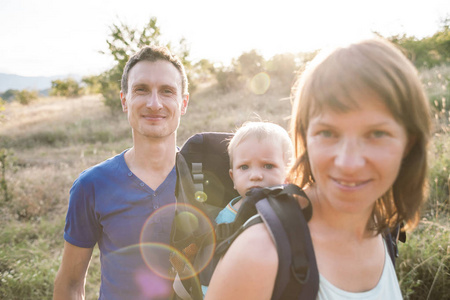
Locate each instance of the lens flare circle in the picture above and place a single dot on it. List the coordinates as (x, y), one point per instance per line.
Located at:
(260, 83)
(201, 196)
(196, 231)
(186, 260)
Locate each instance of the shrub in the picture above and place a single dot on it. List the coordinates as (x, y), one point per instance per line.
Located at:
(423, 266)
(439, 177)
(109, 82)
(65, 88)
(28, 262)
(6, 164)
(229, 80)
(25, 97)
(2, 107)
(38, 190)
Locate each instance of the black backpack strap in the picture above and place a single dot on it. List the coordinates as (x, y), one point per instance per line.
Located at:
(297, 276)
(391, 238)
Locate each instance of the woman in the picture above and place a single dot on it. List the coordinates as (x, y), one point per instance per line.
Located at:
(360, 125)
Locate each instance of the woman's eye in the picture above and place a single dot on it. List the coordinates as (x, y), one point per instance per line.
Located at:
(243, 167)
(268, 166)
(379, 134)
(325, 133)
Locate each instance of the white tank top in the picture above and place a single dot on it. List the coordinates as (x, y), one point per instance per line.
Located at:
(387, 287)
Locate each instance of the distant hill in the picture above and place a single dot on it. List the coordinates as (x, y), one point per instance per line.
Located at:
(17, 82)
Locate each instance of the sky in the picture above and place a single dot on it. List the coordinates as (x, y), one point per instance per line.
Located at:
(58, 37)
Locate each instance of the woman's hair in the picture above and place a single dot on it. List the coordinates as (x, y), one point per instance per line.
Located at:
(261, 131)
(331, 81)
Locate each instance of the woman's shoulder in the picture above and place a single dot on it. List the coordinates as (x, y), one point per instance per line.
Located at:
(253, 261)
(256, 240)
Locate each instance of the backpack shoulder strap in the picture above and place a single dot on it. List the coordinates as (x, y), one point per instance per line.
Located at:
(391, 238)
(297, 276)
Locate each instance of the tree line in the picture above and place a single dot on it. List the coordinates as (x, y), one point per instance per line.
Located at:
(124, 40)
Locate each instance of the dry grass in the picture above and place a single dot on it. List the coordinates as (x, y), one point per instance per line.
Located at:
(209, 110)
(19, 118)
(54, 139)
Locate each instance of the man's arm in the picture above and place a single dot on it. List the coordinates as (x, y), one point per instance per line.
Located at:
(71, 276)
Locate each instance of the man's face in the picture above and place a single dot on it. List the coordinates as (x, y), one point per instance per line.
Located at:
(154, 101)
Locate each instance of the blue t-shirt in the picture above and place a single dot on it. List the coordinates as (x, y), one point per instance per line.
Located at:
(110, 206)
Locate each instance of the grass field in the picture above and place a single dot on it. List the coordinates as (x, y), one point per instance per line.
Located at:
(46, 144)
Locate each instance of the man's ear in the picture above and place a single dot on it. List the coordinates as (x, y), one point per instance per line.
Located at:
(184, 104)
(123, 100)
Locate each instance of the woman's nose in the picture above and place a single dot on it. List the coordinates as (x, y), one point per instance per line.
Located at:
(349, 155)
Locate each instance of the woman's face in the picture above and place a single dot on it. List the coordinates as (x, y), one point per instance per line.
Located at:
(355, 156)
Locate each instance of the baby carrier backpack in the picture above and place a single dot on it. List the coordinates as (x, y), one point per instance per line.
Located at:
(203, 189)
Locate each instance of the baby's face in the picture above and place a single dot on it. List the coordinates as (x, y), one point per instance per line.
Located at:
(257, 164)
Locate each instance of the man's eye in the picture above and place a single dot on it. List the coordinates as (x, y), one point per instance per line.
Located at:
(269, 166)
(243, 167)
(140, 90)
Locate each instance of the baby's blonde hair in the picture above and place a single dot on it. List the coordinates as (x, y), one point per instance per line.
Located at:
(263, 130)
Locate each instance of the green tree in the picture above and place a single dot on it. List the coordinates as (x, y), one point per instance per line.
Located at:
(9, 95)
(92, 84)
(123, 42)
(283, 67)
(202, 71)
(2, 107)
(65, 88)
(250, 63)
(429, 51)
(25, 97)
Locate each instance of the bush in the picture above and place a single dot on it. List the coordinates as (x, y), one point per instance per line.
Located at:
(36, 191)
(439, 177)
(109, 82)
(6, 162)
(65, 88)
(92, 84)
(8, 95)
(423, 266)
(25, 97)
(228, 80)
(2, 107)
(437, 86)
(28, 262)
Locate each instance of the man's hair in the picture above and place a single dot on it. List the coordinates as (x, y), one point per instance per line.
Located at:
(332, 80)
(154, 53)
(261, 131)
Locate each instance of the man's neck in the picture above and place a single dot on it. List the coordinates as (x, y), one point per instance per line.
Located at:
(152, 161)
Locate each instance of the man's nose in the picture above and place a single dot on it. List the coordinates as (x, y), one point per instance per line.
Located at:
(153, 101)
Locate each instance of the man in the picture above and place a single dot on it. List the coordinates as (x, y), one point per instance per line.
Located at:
(111, 202)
